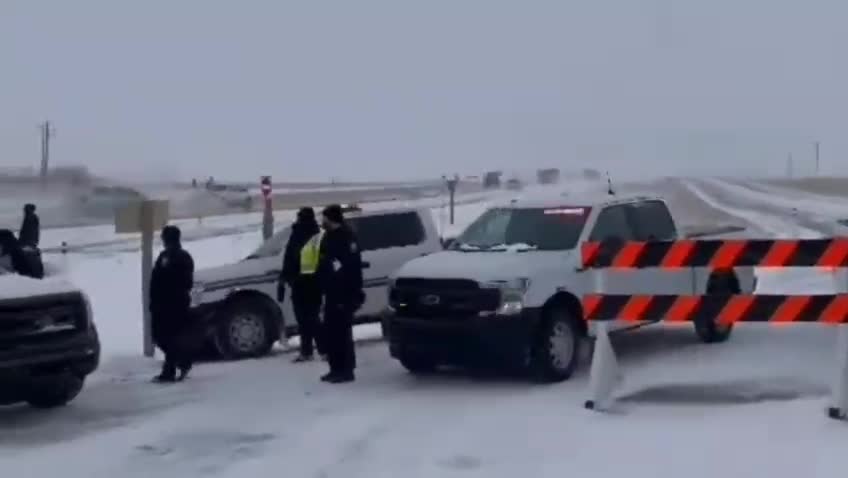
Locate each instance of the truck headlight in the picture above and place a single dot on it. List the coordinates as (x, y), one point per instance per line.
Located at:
(196, 293)
(512, 294)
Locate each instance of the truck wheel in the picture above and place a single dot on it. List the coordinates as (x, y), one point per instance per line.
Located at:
(719, 283)
(418, 364)
(556, 351)
(56, 391)
(245, 330)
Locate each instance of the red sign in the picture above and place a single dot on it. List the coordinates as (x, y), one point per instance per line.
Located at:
(265, 185)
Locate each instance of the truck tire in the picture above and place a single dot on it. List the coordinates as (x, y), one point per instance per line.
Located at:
(245, 330)
(556, 351)
(418, 364)
(719, 283)
(54, 391)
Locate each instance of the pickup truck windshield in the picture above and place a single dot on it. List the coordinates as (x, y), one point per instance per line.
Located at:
(524, 229)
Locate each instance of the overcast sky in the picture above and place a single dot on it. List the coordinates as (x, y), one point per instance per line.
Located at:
(359, 89)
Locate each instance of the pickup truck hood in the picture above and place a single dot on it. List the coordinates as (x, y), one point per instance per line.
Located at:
(237, 270)
(485, 266)
(13, 286)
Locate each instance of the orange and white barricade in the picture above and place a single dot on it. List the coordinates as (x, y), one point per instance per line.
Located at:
(722, 309)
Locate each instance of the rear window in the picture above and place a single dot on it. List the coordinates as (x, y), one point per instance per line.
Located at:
(551, 229)
(388, 230)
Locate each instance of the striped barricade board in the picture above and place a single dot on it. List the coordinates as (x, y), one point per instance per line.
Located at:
(721, 309)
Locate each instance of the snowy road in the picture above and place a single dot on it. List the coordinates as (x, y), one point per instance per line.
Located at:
(753, 406)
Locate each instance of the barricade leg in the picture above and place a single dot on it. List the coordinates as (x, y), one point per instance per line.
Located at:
(604, 373)
(839, 395)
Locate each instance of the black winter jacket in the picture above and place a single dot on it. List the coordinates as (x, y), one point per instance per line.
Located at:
(300, 235)
(171, 282)
(340, 269)
(30, 231)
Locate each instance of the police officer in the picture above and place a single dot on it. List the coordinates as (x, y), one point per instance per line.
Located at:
(300, 262)
(340, 276)
(170, 301)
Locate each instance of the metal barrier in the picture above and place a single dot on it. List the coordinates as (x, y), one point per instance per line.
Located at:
(721, 309)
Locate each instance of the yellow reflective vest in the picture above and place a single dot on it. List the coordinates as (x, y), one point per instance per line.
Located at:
(310, 253)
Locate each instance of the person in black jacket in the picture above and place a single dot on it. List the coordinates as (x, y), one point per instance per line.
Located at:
(30, 232)
(13, 258)
(340, 276)
(170, 302)
(305, 294)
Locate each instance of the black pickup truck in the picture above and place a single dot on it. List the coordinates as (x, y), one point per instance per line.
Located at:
(48, 341)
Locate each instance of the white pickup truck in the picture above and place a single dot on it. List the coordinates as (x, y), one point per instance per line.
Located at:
(507, 291)
(238, 302)
(48, 341)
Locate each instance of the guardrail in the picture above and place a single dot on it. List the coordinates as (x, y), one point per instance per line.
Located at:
(603, 309)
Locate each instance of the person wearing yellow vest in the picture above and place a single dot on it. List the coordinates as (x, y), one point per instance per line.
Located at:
(300, 263)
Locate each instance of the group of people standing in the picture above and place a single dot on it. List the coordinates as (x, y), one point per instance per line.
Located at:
(322, 267)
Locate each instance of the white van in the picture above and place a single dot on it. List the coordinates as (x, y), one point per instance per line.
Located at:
(238, 305)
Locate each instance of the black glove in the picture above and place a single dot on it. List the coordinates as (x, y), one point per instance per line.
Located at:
(281, 291)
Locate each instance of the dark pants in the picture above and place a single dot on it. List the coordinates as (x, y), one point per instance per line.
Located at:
(173, 335)
(306, 302)
(338, 338)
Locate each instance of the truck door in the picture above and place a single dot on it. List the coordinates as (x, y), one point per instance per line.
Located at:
(652, 221)
(614, 223)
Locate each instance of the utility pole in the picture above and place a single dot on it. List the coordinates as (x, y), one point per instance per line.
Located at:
(818, 143)
(47, 132)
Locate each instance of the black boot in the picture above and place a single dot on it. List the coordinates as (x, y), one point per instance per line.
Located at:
(343, 377)
(168, 374)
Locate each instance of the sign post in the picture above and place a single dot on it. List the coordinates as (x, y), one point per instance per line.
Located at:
(452, 191)
(145, 217)
(268, 213)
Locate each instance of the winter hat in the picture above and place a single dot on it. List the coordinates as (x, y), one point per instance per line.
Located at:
(171, 234)
(306, 214)
(334, 213)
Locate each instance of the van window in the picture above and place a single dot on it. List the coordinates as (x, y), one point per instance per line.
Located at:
(388, 230)
(653, 221)
(613, 222)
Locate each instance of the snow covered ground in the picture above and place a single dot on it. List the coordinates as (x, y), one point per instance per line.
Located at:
(753, 406)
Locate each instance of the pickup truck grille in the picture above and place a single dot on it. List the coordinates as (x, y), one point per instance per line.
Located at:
(38, 320)
(441, 298)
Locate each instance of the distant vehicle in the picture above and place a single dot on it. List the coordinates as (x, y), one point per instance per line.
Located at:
(492, 180)
(514, 184)
(507, 291)
(237, 302)
(48, 341)
(548, 176)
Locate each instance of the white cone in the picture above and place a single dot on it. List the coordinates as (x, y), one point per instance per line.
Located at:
(839, 392)
(604, 374)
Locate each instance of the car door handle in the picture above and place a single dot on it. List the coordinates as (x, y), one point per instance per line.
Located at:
(273, 271)
(366, 265)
